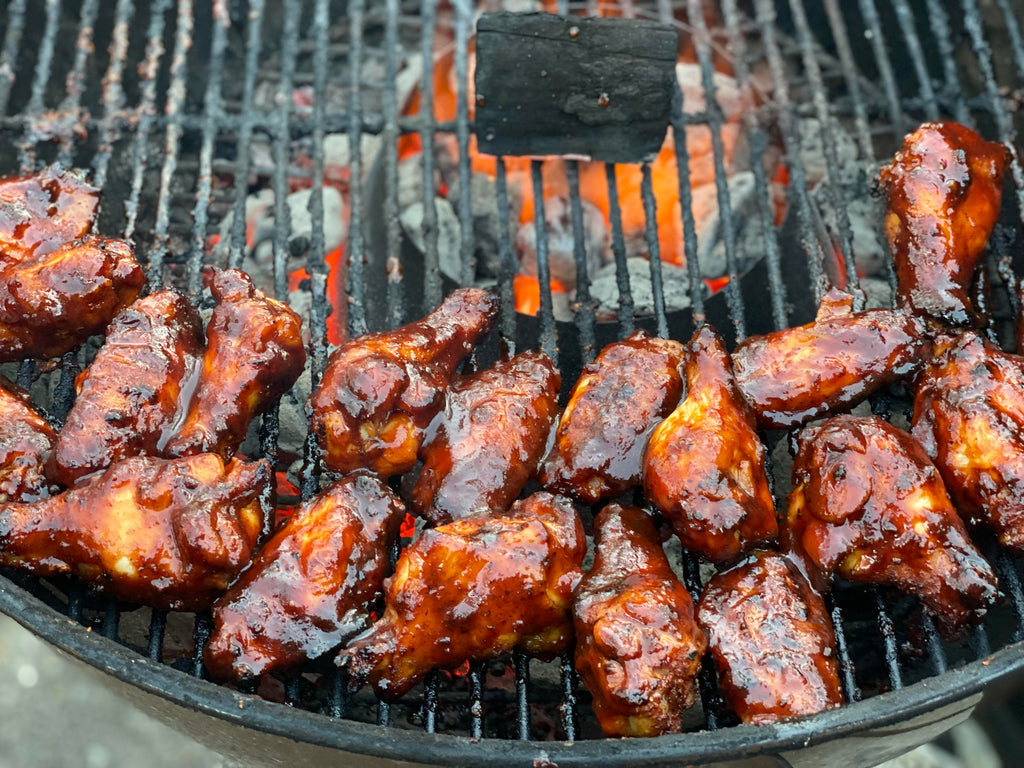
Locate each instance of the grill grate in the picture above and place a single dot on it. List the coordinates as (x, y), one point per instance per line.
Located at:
(151, 100)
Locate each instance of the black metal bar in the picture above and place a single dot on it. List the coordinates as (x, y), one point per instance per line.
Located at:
(463, 18)
(392, 224)
(626, 322)
(236, 242)
(111, 619)
(892, 655)
(383, 713)
(707, 678)
(9, 56)
(76, 78)
(546, 315)
(653, 249)
(846, 668)
(686, 209)
(113, 92)
(356, 289)
(509, 265)
(979, 642)
(36, 106)
(339, 693)
(938, 20)
(201, 635)
(905, 18)
(584, 306)
(1011, 21)
(430, 701)
(476, 698)
(1010, 584)
(521, 664)
(282, 147)
(568, 707)
(841, 36)
(883, 62)
(431, 262)
(155, 639)
(935, 650)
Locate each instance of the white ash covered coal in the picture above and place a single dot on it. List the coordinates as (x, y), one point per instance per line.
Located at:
(604, 288)
(561, 242)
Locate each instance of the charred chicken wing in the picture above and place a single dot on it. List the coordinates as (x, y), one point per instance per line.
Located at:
(381, 390)
(472, 590)
(771, 639)
(704, 465)
(486, 443)
(51, 303)
(969, 416)
(869, 505)
(945, 189)
(131, 396)
(616, 404)
(39, 212)
(169, 534)
(254, 354)
(26, 443)
(793, 376)
(312, 585)
(638, 647)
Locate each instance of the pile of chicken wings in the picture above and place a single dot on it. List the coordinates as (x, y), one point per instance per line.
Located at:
(142, 493)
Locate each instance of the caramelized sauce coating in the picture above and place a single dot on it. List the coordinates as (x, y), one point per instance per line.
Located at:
(618, 401)
(486, 443)
(869, 505)
(169, 534)
(793, 376)
(380, 391)
(254, 353)
(704, 465)
(26, 443)
(771, 639)
(312, 585)
(130, 396)
(51, 303)
(969, 416)
(945, 189)
(39, 212)
(473, 590)
(638, 647)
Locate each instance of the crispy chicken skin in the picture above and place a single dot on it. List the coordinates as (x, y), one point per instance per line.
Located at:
(313, 584)
(869, 505)
(944, 189)
(381, 390)
(254, 353)
(26, 442)
(618, 401)
(473, 590)
(793, 376)
(51, 303)
(771, 639)
(129, 397)
(969, 416)
(39, 212)
(638, 647)
(482, 448)
(171, 534)
(704, 465)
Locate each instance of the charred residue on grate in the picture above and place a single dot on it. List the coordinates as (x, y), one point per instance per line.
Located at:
(188, 111)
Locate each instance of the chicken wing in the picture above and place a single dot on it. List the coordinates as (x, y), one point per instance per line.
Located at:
(132, 396)
(39, 212)
(638, 647)
(704, 465)
(51, 303)
(380, 391)
(793, 376)
(771, 639)
(618, 401)
(254, 354)
(169, 534)
(869, 505)
(313, 584)
(26, 442)
(473, 590)
(944, 189)
(482, 448)
(969, 417)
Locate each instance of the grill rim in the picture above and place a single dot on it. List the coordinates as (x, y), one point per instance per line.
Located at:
(254, 713)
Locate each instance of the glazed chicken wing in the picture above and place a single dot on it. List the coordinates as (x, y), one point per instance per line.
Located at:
(869, 505)
(793, 376)
(486, 443)
(254, 353)
(944, 189)
(39, 212)
(704, 465)
(169, 534)
(26, 442)
(969, 416)
(638, 647)
(131, 396)
(380, 391)
(312, 585)
(51, 303)
(771, 639)
(473, 590)
(618, 401)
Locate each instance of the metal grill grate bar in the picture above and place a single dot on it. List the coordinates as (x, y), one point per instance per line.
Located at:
(892, 655)
(395, 290)
(36, 104)
(626, 323)
(9, 56)
(546, 315)
(905, 17)
(356, 255)
(653, 249)
(1012, 22)
(686, 210)
(71, 106)
(938, 20)
(584, 305)
(882, 61)
(846, 667)
(113, 91)
(431, 261)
